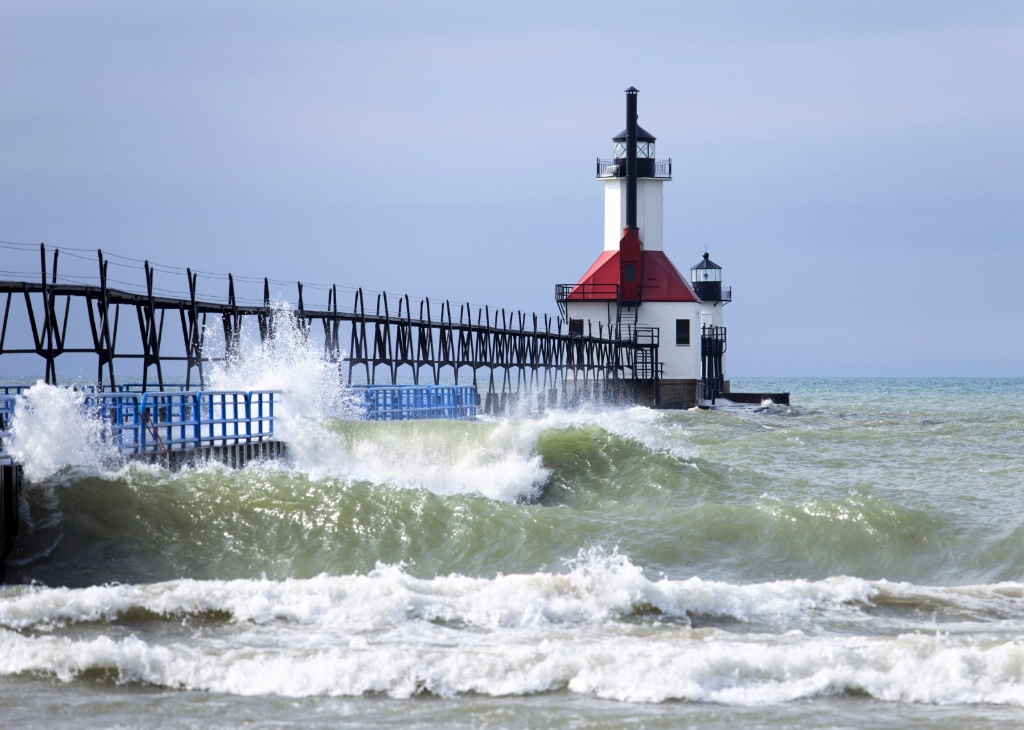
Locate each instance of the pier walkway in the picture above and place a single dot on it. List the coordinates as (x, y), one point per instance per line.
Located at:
(79, 314)
(169, 427)
(172, 426)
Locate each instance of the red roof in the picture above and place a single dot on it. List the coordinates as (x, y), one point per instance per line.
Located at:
(661, 281)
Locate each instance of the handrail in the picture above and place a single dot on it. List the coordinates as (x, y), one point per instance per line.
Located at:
(150, 428)
(585, 292)
(195, 419)
(168, 421)
(661, 169)
(418, 402)
(7, 403)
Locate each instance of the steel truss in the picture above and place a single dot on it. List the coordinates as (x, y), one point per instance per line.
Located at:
(515, 351)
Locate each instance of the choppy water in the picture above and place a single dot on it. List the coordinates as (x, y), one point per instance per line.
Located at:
(855, 560)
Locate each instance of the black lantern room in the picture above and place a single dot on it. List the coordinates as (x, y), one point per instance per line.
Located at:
(707, 280)
(644, 152)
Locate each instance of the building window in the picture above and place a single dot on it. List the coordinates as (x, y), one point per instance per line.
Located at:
(575, 327)
(682, 332)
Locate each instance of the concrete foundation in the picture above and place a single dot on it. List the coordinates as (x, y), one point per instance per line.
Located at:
(779, 399)
(10, 488)
(677, 393)
(669, 393)
(235, 456)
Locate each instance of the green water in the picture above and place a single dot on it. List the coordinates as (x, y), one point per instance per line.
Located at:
(855, 556)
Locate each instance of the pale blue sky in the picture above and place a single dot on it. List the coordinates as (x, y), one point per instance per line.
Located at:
(857, 168)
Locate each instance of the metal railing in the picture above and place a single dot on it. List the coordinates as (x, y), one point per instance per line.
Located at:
(120, 415)
(189, 420)
(647, 336)
(586, 292)
(617, 168)
(713, 344)
(161, 421)
(7, 403)
(167, 421)
(417, 402)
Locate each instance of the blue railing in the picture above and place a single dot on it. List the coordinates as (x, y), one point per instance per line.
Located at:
(163, 421)
(191, 420)
(121, 415)
(415, 402)
(129, 388)
(7, 401)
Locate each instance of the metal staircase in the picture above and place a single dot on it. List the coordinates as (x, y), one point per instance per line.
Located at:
(627, 314)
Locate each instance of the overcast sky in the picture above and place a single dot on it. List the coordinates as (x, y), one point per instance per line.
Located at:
(857, 168)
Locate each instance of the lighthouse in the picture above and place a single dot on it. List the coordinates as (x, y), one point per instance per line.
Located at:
(633, 289)
(706, 276)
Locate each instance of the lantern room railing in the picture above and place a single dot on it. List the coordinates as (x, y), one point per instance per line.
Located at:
(661, 169)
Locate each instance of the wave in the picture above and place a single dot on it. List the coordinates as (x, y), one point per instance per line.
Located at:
(732, 495)
(486, 498)
(600, 627)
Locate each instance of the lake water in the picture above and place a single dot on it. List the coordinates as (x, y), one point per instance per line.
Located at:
(852, 560)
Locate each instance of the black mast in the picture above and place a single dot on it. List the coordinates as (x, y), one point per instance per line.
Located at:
(631, 93)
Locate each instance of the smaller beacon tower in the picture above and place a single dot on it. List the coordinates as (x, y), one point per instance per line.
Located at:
(706, 277)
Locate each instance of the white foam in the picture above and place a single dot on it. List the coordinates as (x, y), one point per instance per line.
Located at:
(596, 587)
(291, 363)
(50, 432)
(661, 431)
(492, 460)
(579, 630)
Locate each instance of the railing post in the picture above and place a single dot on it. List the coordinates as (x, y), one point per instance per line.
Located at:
(196, 416)
(140, 422)
(248, 417)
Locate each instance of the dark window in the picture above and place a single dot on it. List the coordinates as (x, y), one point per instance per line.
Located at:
(575, 327)
(682, 332)
(629, 271)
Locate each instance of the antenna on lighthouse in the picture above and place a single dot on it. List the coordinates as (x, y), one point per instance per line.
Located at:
(631, 117)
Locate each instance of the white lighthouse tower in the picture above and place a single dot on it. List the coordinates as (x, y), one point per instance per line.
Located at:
(633, 287)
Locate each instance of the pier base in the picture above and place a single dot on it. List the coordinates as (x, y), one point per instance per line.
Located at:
(235, 456)
(675, 393)
(10, 489)
(779, 399)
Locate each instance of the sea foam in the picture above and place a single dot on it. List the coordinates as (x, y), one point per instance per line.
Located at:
(588, 630)
(50, 432)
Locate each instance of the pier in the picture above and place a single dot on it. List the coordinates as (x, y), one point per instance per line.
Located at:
(500, 351)
(151, 349)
